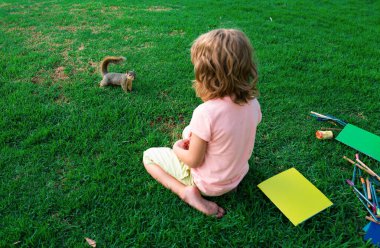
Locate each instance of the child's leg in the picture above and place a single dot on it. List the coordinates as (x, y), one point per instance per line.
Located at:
(188, 193)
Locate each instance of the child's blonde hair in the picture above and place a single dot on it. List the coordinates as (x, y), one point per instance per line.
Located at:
(223, 66)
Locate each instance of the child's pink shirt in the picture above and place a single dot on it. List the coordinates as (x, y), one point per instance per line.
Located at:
(229, 130)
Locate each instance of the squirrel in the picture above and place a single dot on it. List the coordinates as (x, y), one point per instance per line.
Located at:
(112, 78)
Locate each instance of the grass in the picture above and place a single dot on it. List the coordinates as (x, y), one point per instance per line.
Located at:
(70, 152)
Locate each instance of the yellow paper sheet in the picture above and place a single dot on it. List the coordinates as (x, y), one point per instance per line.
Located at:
(296, 197)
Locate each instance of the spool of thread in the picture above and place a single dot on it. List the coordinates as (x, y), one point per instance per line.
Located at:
(324, 134)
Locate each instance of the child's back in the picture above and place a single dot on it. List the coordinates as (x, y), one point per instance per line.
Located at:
(229, 130)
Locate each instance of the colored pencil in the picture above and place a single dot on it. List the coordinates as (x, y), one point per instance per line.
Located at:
(355, 164)
(369, 190)
(371, 172)
(354, 175)
(357, 191)
(371, 219)
(365, 205)
(364, 187)
(321, 117)
(374, 195)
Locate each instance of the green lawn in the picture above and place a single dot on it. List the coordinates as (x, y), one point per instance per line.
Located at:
(71, 152)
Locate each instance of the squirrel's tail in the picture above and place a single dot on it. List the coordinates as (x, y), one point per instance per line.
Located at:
(107, 60)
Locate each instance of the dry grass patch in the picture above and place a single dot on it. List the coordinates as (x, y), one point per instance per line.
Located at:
(114, 11)
(59, 74)
(95, 66)
(4, 5)
(128, 37)
(114, 8)
(99, 29)
(145, 45)
(77, 9)
(360, 115)
(37, 80)
(18, 13)
(36, 40)
(159, 9)
(81, 48)
(177, 33)
(20, 29)
(72, 29)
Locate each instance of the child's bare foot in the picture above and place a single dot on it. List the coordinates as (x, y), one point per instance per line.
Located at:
(192, 196)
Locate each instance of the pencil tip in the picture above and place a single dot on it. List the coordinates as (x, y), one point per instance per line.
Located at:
(349, 182)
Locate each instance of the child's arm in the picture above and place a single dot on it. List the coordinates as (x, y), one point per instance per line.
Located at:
(194, 156)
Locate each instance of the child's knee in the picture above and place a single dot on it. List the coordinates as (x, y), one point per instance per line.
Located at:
(152, 155)
(147, 158)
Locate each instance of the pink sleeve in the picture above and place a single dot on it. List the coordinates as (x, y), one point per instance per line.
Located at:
(200, 124)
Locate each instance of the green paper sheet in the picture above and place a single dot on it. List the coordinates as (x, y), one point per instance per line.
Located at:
(361, 140)
(296, 197)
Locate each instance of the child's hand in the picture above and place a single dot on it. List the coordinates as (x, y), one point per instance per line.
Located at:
(183, 144)
(186, 144)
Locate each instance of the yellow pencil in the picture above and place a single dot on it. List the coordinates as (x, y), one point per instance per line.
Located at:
(369, 195)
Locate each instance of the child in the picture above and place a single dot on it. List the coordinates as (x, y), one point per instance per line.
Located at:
(222, 128)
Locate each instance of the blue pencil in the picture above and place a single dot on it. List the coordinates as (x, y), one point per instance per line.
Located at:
(365, 205)
(374, 195)
(375, 200)
(354, 175)
(357, 191)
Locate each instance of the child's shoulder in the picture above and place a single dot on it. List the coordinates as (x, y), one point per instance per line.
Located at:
(213, 103)
(215, 106)
(218, 101)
